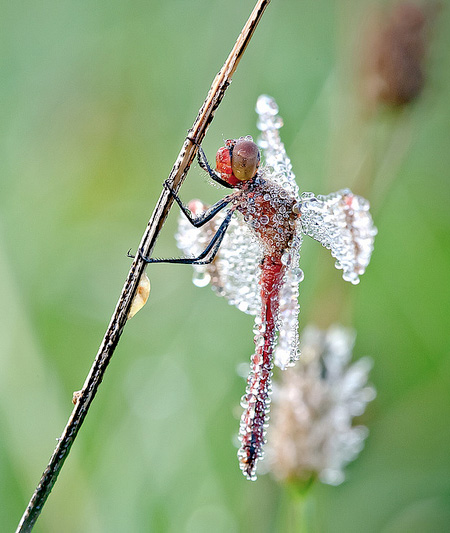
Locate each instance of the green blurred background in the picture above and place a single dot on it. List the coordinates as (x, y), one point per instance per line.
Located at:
(96, 98)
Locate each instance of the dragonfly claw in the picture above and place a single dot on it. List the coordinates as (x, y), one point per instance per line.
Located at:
(144, 257)
(167, 186)
(141, 255)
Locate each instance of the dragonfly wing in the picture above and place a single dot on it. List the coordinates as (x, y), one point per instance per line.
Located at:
(278, 164)
(235, 271)
(238, 266)
(342, 223)
(287, 352)
(192, 241)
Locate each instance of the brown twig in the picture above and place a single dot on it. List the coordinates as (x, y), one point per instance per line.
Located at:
(85, 397)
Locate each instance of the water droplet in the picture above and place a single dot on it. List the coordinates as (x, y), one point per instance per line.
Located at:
(352, 277)
(201, 279)
(286, 258)
(278, 122)
(298, 275)
(141, 296)
(243, 306)
(259, 341)
(266, 105)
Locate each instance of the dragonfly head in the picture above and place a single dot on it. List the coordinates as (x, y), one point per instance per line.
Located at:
(238, 160)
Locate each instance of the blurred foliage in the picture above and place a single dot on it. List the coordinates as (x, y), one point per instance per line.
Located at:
(96, 99)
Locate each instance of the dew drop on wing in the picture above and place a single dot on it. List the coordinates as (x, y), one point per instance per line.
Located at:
(201, 279)
(258, 328)
(243, 306)
(244, 405)
(266, 105)
(286, 258)
(298, 275)
(259, 341)
(352, 277)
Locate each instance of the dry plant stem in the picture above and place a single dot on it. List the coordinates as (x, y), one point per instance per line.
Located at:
(85, 397)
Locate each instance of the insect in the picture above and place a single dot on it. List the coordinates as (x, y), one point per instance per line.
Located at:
(247, 245)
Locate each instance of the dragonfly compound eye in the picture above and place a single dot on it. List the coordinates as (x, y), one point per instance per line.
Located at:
(245, 159)
(223, 162)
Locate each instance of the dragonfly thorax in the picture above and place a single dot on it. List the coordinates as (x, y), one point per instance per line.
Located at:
(269, 210)
(238, 161)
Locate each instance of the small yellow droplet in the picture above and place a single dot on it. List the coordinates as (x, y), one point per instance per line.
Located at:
(141, 296)
(76, 396)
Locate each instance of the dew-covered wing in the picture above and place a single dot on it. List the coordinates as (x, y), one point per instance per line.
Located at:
(277, 163)
(342, 223)
(286, 350)
(235, 271)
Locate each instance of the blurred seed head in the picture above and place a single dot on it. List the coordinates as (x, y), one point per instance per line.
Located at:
(313, 407)
(396, 49)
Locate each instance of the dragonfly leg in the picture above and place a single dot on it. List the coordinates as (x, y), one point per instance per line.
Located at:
(203, 218)
(209, 252)
(203, 162)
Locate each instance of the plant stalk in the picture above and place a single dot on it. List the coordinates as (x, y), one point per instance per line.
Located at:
(114, 331)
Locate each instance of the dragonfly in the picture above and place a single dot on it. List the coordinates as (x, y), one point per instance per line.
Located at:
(247, 246)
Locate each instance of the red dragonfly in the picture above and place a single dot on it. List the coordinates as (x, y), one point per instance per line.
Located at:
(250, 254)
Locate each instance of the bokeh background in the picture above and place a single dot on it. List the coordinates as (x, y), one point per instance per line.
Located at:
(96, 98)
